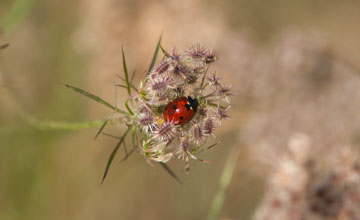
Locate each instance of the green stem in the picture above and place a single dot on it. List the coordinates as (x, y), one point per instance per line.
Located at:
(66, 126)
(224, 183)
(207, 96)
(203, 79)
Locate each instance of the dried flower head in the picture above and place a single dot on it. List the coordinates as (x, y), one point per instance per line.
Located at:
(209, 127)
(166, 131)
(214, 80)
(202, 53)
(195, 102)
(159, 85)
(162, 67)
(309, 185)
(224, 92)
(182, 75)
(197, 133)
(221, 113)
(147, 123)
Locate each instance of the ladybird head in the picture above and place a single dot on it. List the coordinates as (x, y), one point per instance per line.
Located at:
(193, 103)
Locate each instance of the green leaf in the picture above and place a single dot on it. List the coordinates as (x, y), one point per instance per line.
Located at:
(125, 149)
(166, 54)
(154, 56)
(203, 79)
(113, 153)
(133, 137)
(127, 155)
(132, 76)
(130, 83)
(56, 125)
(128, 108)
(225, 180)
(95, 98)
(122, 86)
(125, 71)
(110, 135)
(102, 128)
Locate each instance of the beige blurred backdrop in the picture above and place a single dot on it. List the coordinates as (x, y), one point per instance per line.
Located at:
(292, 64)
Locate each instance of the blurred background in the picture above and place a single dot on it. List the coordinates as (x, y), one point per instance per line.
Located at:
(294, 66)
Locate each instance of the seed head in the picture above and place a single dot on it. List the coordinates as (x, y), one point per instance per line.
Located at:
(143, 109)
(202, 53)
(166, 131)
(180, 75)
(162, 67)
(222, 113)
(198, 52)
(175, 56)
(210, 57)
(214, 80)
(158, 85)
(224, 92)
(183, 73)
(156, 151)
(161, 99)
(197, 133)
(147, 122)
(209, 127)
(183, 149)
(203, 112)
(200, 69)
(163, 158)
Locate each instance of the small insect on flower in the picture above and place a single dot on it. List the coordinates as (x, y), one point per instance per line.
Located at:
(181, 110)
(176, 108)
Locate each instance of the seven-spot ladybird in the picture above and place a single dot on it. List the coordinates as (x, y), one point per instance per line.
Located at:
(181, 110)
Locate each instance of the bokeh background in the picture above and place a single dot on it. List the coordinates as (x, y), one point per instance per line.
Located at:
(292, 64)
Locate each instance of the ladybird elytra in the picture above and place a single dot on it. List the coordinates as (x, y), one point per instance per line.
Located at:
(181, 110)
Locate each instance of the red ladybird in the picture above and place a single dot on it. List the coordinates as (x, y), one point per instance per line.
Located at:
(181, 110)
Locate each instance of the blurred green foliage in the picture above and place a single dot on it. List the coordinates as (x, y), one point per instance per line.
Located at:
(16, 14)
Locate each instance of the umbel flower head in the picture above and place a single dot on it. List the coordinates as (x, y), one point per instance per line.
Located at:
(175, 110)
(180, 77)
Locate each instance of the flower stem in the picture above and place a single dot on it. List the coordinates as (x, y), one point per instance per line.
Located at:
(224, 183)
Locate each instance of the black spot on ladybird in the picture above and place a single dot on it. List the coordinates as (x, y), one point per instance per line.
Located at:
(181, 118)
(174, 107)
